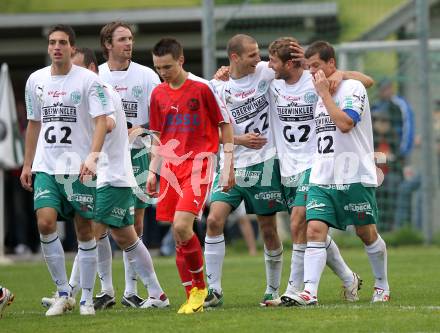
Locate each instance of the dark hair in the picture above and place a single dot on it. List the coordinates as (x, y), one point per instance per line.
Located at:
(89, 56)
(235, 44)
(281, 48)
(67, 29)
(106, 34)
(168, 45)
(323, 48)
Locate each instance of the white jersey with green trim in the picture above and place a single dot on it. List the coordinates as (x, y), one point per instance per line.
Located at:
(65, 105)
(345, 158)
(135, 86)
(247, 102)
(291, 117)
(114, 166)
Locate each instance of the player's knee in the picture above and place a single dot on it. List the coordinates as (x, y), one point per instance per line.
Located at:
(268, 231)
(46, 226)
(298, 221)
(214, 225)
(368, 234)
(181, 231)
(315, 233)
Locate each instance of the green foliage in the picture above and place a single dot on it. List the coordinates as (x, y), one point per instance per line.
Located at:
(404, 236)
(411, 309)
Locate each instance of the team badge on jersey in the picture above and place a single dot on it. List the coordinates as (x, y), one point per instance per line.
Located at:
(262, 86)
(310, 97)
(193, 104)
(136, 91)
(75, 97)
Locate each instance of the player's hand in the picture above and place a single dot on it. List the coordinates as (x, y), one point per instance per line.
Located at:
(152, 185)
(222, 74)
(252, 140)
(297, 52)
(335, 80)
(26, 178)
(227, 174)
(321, 83)
(88, 168)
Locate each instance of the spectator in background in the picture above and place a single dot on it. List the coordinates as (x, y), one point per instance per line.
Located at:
(400, 114)
(393, 135)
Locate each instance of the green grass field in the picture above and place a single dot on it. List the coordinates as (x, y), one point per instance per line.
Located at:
(415, 305)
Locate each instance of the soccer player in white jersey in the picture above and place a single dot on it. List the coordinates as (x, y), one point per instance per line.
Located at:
(245, 95)
(134, 83)
(114, 199)
(343, 176)
(115, 180)
(66, 108)
(293, 101)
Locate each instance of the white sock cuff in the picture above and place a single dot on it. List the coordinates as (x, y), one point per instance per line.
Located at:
(214, 239)
(328, 241)
(316, 245)
(49, 238)
(132, 246)
(103, 236)
(299, 247)
(87, 246)
(378, 246)
(273, 254)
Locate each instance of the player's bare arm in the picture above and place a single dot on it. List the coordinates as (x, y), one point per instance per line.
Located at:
(227, 175)
(32, 133)
(339, 117)
(154, 166)
(88, 168)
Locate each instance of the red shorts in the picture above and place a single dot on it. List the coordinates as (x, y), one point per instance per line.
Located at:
(184, 187)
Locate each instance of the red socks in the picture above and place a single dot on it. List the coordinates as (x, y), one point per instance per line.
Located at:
(189, 261)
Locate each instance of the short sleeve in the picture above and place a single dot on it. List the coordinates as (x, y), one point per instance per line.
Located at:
(99, 101)
(354, 100)
(214, 106)
(213, 88)
(155, 115)
(33, 97)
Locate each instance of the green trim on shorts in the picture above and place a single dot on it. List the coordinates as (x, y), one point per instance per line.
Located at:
(141, 163)
(65, 196)
(342, 205)
(114, 206)
(295, 188)
(258, 185)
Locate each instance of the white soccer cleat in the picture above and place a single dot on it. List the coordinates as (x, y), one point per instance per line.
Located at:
(304, 299)
(287, 298)
(350, 293)
(151, 302)
(6, 298)
(86, 309)
(380, 295)
(47, 302)
(61, 305)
